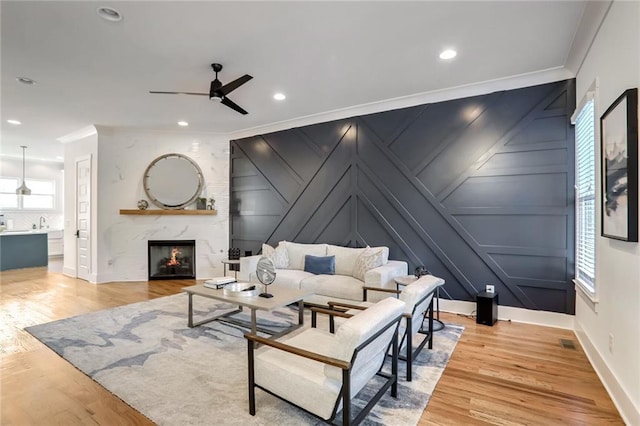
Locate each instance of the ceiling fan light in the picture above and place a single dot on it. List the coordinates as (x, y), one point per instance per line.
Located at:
(216, 98)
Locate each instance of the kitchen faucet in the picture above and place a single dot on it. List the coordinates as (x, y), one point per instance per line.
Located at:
(42, 222)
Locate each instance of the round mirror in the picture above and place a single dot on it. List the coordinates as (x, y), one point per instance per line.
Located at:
(266, 273)
(173, 181)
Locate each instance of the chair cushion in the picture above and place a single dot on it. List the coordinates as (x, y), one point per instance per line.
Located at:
(346, 258)
(415, 291)
(297, 252)
(357, 329)
(320, 264)
(340, 286)
(297, 379)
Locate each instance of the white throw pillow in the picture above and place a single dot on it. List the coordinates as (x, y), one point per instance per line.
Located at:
(369, 259)
(281, 256)
(278, 255)
(268, 251)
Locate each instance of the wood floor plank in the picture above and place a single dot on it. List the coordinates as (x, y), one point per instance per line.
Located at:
(509, 374)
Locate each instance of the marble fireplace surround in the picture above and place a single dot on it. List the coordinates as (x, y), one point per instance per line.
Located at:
(119, 159)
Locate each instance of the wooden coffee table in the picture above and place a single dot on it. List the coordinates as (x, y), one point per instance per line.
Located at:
(281, 297)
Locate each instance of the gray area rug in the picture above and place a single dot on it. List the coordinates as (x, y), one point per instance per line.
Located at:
(175, 375)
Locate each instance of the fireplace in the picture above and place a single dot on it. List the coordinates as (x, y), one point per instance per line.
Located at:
(172, 259)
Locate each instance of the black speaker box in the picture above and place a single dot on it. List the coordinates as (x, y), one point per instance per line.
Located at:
(487, 308)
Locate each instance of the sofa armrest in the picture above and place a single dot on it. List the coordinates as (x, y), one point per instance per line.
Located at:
(382, 277)
(248, 267)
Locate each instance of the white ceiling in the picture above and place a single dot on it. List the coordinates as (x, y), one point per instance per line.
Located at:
(323, 55)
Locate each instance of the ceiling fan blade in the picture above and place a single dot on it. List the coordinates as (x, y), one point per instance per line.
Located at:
(230, 87)
(178, 93)
(228, 102)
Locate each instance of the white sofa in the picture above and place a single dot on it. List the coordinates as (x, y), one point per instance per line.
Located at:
(343, 285)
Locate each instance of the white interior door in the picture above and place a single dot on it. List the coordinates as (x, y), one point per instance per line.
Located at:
(83, 217)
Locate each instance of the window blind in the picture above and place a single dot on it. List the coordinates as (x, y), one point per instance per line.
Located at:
(585, 195)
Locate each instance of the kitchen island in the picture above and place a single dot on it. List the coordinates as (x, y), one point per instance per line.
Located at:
(23, 249)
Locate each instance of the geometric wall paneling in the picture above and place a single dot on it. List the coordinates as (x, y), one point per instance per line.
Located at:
(480, 190)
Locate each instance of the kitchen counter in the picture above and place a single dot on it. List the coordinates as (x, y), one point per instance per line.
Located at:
(24, 232)
(23, 249)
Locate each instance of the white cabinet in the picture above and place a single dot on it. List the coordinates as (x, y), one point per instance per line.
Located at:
(56, 242)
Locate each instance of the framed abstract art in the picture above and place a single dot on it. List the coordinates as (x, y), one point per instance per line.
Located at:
(619, 156)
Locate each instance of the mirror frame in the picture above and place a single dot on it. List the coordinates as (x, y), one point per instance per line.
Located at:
(190, 200)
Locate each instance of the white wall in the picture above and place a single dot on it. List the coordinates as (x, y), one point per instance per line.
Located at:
(123, 156)
(614, 59)
(24, 219)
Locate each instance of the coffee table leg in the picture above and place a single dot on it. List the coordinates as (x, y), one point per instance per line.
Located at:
(254, 327)
(190, 320)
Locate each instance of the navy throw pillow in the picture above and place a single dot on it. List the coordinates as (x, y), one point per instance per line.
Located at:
(320, 264)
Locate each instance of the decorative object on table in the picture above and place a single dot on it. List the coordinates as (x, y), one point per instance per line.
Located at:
(234, 254)
(266, 273)
(619, 155)
(173, 181)
(212, 204)
(240, 290)
(201, 203)
(420, 271)
(143, 204)
(22, 189)
(218, 282)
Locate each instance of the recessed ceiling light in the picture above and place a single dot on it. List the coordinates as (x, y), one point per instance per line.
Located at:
(16, 122)
(279, 97)
(183, 123)
(109, 13)
(25, 80)
(448, 54)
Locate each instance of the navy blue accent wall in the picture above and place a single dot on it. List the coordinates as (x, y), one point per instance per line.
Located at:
(479, 190)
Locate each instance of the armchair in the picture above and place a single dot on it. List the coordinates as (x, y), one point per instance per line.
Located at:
(418, 298)
(320, 372)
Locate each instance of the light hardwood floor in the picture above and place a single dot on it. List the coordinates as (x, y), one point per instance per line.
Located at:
(509, 374)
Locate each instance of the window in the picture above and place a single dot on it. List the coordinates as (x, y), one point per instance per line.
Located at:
(585, 194)
(42, 194)
(8, 197)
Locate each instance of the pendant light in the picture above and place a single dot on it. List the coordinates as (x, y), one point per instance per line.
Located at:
(23, 190)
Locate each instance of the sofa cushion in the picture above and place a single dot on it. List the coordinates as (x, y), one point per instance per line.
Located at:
(297, 252)
(346, 258)
(339, 286)
(368, 259)
(290, 278)
(320, 264)
(279, 255)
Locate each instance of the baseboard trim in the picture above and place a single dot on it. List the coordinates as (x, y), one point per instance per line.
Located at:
(629, 412)
(102, 278)
(509, 313)
(69, 272)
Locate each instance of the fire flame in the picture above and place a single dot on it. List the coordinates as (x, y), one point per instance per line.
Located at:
(173, 261)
